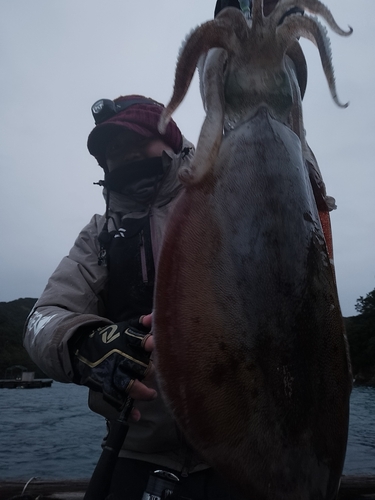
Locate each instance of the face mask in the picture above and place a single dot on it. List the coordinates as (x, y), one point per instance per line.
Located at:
(138, 180)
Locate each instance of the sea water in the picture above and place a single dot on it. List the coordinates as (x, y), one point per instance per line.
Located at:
(50, 433)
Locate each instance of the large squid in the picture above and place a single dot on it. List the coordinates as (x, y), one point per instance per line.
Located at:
(250, 342)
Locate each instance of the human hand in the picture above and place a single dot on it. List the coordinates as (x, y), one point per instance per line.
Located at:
(114, 359)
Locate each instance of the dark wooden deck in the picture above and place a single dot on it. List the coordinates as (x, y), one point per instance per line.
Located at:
(352, 488)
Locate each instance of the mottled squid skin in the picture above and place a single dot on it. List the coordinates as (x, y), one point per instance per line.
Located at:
(250, 344)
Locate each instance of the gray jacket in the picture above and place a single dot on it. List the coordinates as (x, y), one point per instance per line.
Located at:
(74, 298)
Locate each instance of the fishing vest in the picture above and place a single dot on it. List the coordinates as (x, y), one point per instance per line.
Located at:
(131, 270)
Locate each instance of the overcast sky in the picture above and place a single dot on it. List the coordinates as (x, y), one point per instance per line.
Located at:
(58, 57)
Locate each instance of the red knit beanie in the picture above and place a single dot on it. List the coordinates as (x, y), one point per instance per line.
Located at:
(142, 118)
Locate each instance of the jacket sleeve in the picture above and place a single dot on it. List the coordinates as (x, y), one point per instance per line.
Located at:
(73, 299)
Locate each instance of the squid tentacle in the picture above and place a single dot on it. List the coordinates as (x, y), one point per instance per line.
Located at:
(223, 32)
(212, 129)
(312, 30)
(198, 43)
(315, 7)
(257, 13)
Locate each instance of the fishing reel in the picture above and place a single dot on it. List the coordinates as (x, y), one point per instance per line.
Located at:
(160, 486)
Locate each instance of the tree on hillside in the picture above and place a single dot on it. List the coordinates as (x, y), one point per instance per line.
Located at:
(361, 337)
(366, 306)
(12, 318)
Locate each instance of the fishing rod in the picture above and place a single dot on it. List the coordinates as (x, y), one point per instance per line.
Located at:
(101, 478)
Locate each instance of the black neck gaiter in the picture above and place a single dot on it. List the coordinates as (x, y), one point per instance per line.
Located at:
(138, 180)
